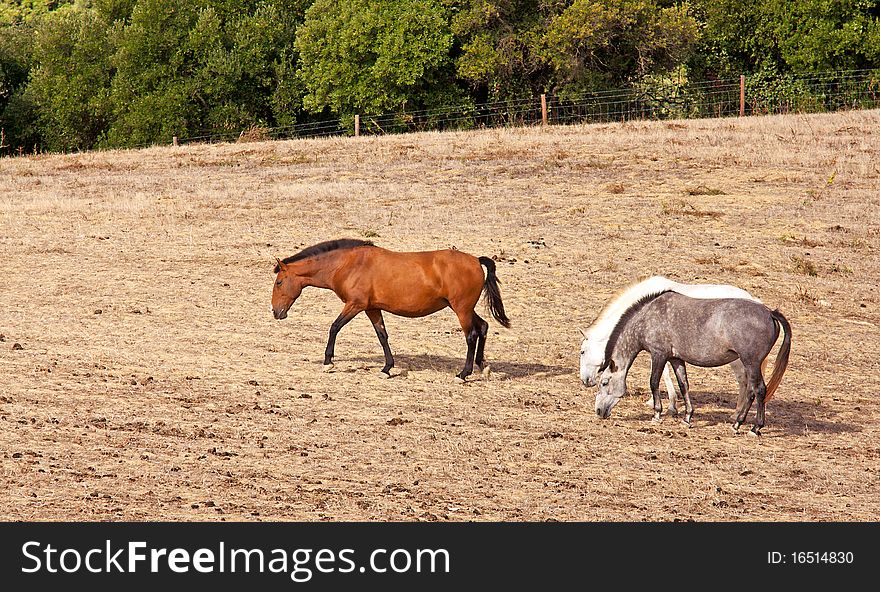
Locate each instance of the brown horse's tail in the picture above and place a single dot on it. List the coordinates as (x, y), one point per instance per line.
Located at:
(493, 294)
(782, 357)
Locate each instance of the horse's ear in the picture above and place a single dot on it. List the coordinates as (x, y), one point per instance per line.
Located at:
(279, 265)
(584, 333)
(609, 363)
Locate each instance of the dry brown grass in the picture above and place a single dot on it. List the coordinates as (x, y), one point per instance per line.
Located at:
(804, 265)
(152, 382)
(680, 207)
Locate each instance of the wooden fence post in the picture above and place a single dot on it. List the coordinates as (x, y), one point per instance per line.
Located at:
(357, 125)
(175, 141)
(742, 95)
(543, 109)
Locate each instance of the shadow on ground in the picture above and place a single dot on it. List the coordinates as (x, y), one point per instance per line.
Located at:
(794, 418)
(454, 365)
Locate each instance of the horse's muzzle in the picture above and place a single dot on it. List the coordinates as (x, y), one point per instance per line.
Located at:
(603, 412)
(279, 314)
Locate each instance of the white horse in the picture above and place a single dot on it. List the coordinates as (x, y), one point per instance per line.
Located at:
(596, 336)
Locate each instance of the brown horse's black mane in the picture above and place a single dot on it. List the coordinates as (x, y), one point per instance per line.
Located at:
(624, 318)
(333, 245)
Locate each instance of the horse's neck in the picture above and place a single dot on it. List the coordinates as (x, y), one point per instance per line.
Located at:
(602, 328)
(316, 271)
(628, 344)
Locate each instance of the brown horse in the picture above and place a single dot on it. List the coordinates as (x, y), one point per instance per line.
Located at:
(371, 279)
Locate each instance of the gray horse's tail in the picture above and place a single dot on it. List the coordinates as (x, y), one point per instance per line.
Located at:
(493, 294)
(782, 357)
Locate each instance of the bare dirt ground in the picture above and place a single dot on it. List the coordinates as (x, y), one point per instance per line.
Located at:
(142, 376)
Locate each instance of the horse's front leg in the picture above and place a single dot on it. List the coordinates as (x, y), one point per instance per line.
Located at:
(658, 363)
(348, 312)
(670, 391)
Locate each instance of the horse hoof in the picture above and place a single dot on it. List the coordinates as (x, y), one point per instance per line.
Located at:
(327, 368)
(486, 371)
(656, 419)
(754, 432)
(384, 374)
(459, 380)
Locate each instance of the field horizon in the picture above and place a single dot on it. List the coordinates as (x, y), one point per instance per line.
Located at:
(143, 378)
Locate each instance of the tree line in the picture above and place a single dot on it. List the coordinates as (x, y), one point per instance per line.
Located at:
(83, 74)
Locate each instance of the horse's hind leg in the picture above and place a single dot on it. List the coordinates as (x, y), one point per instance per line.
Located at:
(681, 374)
(483, 330)
(472, 336)
(760, 394)
(755, 389)
(744, 383)
(739, 372)
(375, 317)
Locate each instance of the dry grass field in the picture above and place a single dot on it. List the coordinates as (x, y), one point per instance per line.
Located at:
(142, 376)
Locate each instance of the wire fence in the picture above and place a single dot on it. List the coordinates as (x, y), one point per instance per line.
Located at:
(647, 100)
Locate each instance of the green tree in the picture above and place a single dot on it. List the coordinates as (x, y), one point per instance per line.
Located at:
(18, 11)
(596, 44)
(208, 66)
(828, 34)
(113, 10)
(263, 43)
(69, 85)
(512, 48)
(787, 37)
(151, 89)
(17, 114)
(15, 58)
(375, 56)
(500, 42)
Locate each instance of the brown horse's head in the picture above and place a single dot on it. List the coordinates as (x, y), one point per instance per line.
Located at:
(288, 287)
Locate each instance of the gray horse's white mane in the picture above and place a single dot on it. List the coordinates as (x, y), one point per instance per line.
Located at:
(604, 324)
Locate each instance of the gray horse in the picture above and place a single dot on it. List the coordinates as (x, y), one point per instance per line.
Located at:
(678, 329)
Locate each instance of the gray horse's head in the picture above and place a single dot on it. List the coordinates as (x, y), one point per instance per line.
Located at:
(612, 386)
